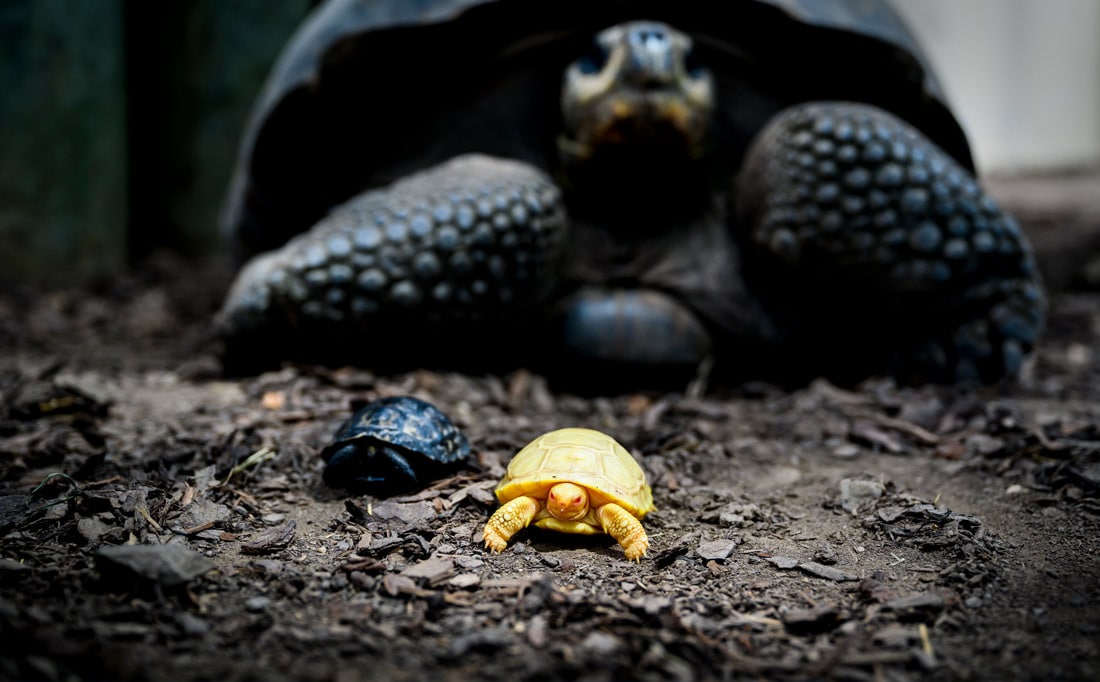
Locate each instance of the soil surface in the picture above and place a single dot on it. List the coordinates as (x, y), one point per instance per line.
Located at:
(160, 521)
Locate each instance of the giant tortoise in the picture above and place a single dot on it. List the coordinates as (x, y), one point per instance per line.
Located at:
(777, 186)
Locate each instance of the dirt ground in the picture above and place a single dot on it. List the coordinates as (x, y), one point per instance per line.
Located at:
(879, 533)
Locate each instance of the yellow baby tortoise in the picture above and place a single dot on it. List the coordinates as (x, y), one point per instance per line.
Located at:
(574, 481)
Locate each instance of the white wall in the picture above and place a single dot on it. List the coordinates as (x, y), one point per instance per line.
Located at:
(1022, 75)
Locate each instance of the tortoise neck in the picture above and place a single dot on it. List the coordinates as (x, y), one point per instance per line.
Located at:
(640, 189)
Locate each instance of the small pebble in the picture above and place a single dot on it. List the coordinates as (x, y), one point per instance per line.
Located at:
(361, 580)
(859, 493)
(467, 563)
(846, 451)
(601, 644)
(192, 625)
(537, 631)
(716, 549)
(782, 562)
(465, 581)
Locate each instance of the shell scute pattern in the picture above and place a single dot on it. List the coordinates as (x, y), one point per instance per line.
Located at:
(392, 444)
(407, 423)
(583, 456)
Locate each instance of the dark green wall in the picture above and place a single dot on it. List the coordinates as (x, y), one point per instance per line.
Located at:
(120, 123)
(62, 114)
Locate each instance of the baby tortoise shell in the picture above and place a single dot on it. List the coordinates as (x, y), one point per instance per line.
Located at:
(393, 444)
(574, 480)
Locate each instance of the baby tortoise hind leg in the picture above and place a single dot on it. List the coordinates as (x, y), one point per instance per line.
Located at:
(872, 242)
(471, 239)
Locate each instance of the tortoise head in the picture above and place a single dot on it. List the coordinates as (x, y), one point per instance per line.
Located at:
(567, 501)
(637, 87)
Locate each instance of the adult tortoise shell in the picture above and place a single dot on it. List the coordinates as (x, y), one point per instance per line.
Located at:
(777, 184)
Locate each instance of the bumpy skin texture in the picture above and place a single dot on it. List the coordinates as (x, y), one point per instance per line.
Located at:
(868, 237)
(626, 529)
(517, 514)
(393, 444)
(872, 250)
(849, 245)
(472, 239)
(512, 517)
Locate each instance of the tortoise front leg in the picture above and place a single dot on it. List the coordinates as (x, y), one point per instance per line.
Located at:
(624, 527)
(404, 268)
(512, 517)
(881, 251)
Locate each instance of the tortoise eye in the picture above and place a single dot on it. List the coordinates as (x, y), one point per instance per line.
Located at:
(577, 499)
(693, 65)
(593, 60)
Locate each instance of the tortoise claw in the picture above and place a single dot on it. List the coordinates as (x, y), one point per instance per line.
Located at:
(626, 528)
(507, 521)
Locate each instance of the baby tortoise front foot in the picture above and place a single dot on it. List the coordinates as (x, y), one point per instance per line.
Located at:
(625, 528)
(873, 243)
(505, 522)
(472, 239)
(517, 514)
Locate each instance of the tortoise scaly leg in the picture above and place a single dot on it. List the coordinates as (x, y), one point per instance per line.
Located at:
(883, 251)
(624, 527)
(473, 241)
(507, 521)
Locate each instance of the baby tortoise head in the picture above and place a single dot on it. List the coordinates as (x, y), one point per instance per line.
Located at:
(567, 502)
(637, 87)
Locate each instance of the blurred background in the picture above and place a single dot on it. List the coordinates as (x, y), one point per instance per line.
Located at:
(1023, 76)
(121, 118)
